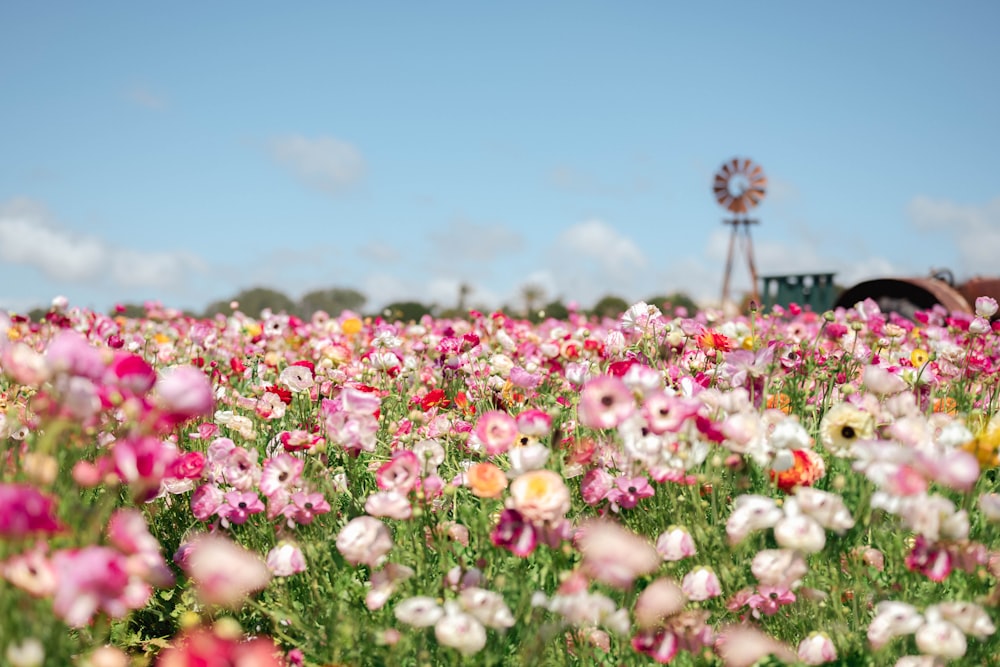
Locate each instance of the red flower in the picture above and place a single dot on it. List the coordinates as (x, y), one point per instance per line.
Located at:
(435, 398)
(284, 394)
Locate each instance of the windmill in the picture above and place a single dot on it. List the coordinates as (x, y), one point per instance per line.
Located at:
(739, 186)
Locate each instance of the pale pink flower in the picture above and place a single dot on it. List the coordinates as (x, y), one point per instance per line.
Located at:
(970, 618)
(675, 544)
(31, 571)
(281, 472)
(224, 573)
(285, 559)
(496, 431)
(744, 645)
(615, 555)
(778, 567)
(383, 584)
(487, 607)
(801, 533)
(941, 638)
(184, 392)
(364, 540)
(401, 473)
(534, 423)
(605, 402)
(828, 509)
(701, 583)
(892, 619)
(817, 649)
(595, 485)
(420, 611)
(751, 513)
(240, 469)
(389, 504)
(206, 501)
(297, 378)
(881, 381)
(658, 601)
(540, 496)
(94, 579)
(460, 630)
(128, 532)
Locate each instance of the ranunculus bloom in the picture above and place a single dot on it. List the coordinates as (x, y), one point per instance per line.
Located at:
(281, 472)
(202, 646)
(941, 638)
(420, 611)
(224, 573)
(658, 601)
(605, 402)
(389, 504)
(701, 583)
(892, 619)
(285, 559)
(801, 533)
(94, 579)
(497, 431)
(364, 540)
(185, 392)
(514, 533)
(486, 480)
(817, 649)
(25, 510)
(615, 555)
(675, 544)
(400, 473)
(540, 495)
(460, 630)
(750, 513)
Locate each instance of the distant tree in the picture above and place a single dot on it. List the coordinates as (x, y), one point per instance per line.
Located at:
(669, 303)
(37, 314)
(464, 290)
(333, 301)
(253, 301)
(610, 306)
(405, 311)
(556, 310)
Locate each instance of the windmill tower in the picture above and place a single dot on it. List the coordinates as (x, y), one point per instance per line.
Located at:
(739, 186)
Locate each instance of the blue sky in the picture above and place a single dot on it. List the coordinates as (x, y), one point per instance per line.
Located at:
(185, 151)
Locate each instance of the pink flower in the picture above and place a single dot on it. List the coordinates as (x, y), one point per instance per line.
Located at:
(930, 560)
(31, 571)
(131, 374)
(769, 599)
(497, 431)
(240, 469)
(184, 392)
(305, 506)
(892, 619)
(629, 491)
(224, 573)
(595, 486)
(817, 649)
(189, 465)
(142, 463)
(239, 505)
(285, 559)
(389, 504)
(401, 473)
(205, 501)
(658, 643)
(281, 472)
(202, 646)
(540, 495)
(128, 532)
(675, 544)
(364, 540)
(615, 555)
(25, 510)
(94, 579)
(534, 423)
(701, 583)
(605, 402)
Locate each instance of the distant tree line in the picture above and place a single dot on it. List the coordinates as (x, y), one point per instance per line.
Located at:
(335, 300)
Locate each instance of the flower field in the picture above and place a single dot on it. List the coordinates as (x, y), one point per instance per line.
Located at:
(779, 488)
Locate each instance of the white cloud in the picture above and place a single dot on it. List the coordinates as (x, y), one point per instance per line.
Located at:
(379, 251)
(29, 237)
(478, 242)
(616, 255)
(974, 230)
(324, 163)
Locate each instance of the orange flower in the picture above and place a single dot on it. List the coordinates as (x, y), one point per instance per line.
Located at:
(781, 402)
(713, 340)
(947, 405)
(486, 480)
(351, 326)
(807, 469)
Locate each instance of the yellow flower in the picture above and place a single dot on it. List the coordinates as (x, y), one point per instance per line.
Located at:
(919, 357)
(984, 446)
(351, 326)
(161, 338)
(843, 425)
(540, 495)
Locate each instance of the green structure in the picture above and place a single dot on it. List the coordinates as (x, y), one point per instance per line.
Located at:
(815, 290)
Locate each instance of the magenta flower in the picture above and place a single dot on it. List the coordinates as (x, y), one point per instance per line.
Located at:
(930, 560)
(768, 600)
(189, 465)
(239, 505)
(497, 431)
(534, 423)
(658, 643)
(514, 534)
(280, 473)
(605, 402)
(305, 506)
(142, 462)
(184, 392)
(131, 374)
(94, 579)
(25, 510)
(629, 491)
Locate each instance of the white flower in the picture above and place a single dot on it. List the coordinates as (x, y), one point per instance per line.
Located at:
(941, 638)
(675, 544)
(488, 607)
(701, 583)
(817, 649)
(826, 508)
(366, 540)
(779, 567)
(750, 513)
(460, 630)
(800, 532)
(968, 617)
(420, 611)
(989, 505)
(986, 306)
(892, 619)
